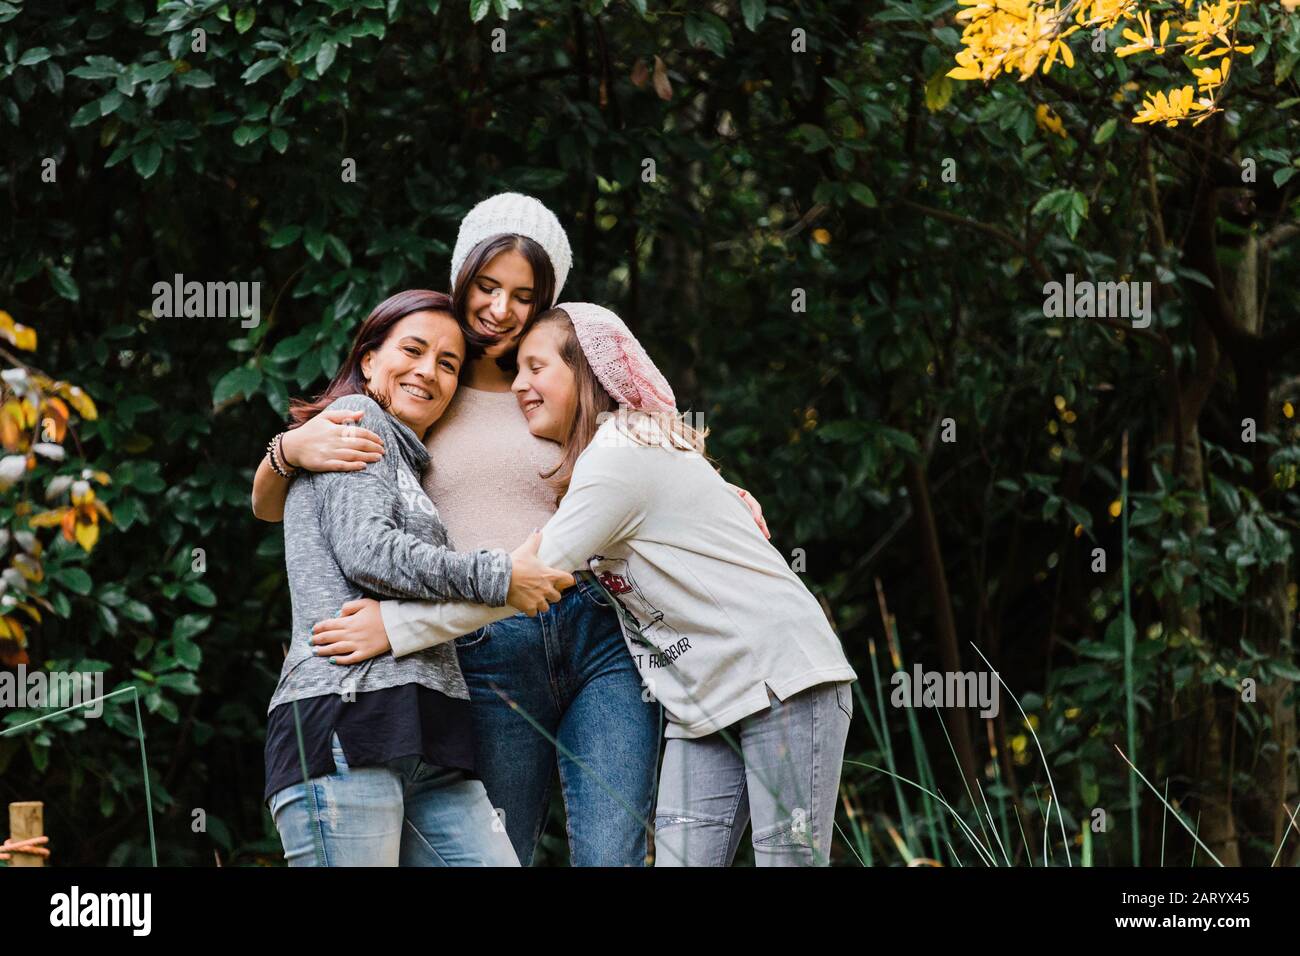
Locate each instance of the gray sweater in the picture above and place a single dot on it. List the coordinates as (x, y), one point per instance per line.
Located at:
(375, 533)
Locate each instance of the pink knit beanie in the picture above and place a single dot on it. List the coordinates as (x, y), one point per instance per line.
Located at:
(617, 358)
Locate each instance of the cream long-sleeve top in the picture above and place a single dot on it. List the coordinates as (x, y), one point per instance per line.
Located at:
(710, 611)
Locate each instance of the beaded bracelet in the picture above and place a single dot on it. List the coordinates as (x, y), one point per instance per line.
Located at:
(275, 453)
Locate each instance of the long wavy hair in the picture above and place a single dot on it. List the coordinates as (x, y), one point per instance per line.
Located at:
(348, 380)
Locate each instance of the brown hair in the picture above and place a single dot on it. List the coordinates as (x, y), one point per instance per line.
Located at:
(594, 402)
(476, 261)
(348, 380)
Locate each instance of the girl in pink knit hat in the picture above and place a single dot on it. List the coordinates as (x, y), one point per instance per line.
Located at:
(753, 681)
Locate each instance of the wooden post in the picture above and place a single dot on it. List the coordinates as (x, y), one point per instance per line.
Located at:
(26, 820)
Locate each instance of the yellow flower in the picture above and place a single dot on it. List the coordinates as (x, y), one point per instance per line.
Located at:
(1172, 108)
(1104, 13)
(17, 334)
(1211, 77)
(1212, 22)
(1048, 121)
(1144, 42)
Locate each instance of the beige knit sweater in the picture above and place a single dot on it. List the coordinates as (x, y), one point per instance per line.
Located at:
(484, 471)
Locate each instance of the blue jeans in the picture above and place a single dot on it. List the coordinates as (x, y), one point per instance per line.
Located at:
(404, 813)
(567, 672)
(780, 767)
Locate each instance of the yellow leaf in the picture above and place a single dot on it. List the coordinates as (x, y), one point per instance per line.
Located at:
(29, 567)
(938, 91)
(80, 401)
(47, 519)
(24, 337)
(87, 535)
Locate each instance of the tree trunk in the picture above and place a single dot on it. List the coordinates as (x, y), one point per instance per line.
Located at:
(918, 488)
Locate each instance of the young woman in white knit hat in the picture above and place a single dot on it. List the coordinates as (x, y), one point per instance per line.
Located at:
(727, 638)
(559, 677)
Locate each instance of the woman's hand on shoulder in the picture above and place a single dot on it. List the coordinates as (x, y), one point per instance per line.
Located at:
(755, 509)
(332, 441)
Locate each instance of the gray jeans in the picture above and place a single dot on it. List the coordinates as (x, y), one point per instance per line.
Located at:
(780, 766)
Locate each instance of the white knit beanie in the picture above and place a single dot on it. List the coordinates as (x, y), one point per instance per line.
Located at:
(514, 214)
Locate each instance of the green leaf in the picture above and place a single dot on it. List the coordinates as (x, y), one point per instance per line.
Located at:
(109, 102)
(292, 347)
(107, 619)
(863, 194)
(244, 19)
(188, 655)
(146, 160)
(814, 136)
(279, 140)
(1284, 669)
(259, 70)
(1282, 176)
(98, 68)
(339, 250)
(157, 72)
(315, 244)
(284, 237)
(325, 57)
(63, 283)
(242, 380)
(707, 30)
(136, 611)
(74, 579)
(36, 54)
(188, 625)
(1105, 131)
(1285, 64)
(86, 115)
(754, 11)
(201, 594)
(243, 135)
(197, 79)
(478, 9)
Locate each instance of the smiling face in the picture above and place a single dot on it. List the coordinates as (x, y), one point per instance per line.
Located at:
(500, 300)
(546, 388)
(417, 367)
